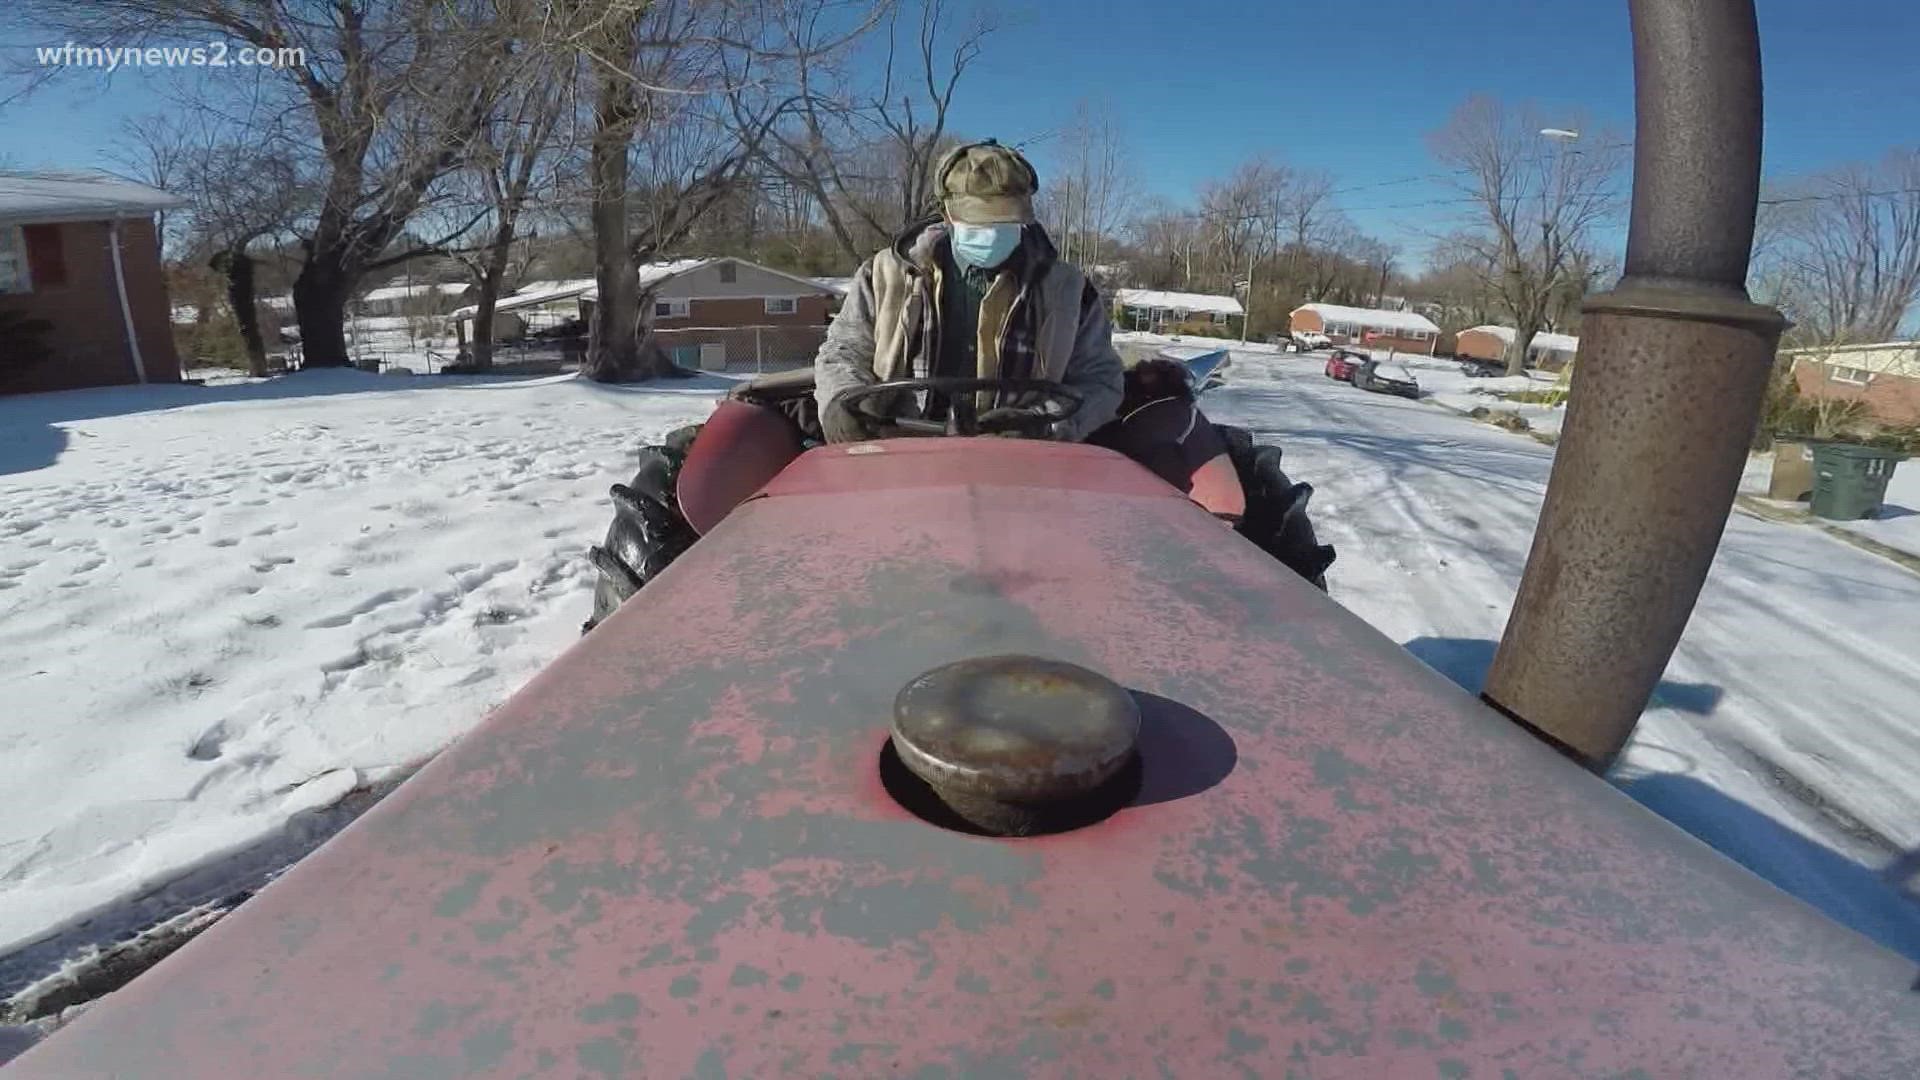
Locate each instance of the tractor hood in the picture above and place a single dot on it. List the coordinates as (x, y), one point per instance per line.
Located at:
(672, 853)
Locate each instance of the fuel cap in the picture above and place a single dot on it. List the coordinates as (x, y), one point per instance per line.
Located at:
(1012, 742)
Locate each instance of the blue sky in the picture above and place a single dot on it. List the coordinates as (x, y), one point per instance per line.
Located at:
(1349, 86)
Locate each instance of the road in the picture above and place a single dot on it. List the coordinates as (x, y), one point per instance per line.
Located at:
(1785, 732)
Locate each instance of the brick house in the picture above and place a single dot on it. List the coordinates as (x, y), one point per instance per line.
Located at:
(80, 251)
(1401, 331)
(1549, 352)
(730, 314)
(1886, 377)
(722, 314)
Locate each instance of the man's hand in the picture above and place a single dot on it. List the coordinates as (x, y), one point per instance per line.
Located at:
(841, 424)
(1031, 422)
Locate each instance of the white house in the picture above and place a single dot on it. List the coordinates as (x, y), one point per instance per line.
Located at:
(1153, 309)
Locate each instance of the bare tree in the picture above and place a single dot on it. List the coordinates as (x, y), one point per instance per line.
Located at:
(1840, 252)
(1088, 194)
(229, 209)
(514, 161)
(864, 148)
(391, 92)
(1537, 203)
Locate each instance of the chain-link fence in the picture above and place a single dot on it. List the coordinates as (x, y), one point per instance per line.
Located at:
(754, 350)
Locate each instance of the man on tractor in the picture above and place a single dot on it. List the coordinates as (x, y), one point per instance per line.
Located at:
(980, 293)
(968, 324)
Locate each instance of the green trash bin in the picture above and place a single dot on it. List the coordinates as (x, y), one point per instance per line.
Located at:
(1850, 482)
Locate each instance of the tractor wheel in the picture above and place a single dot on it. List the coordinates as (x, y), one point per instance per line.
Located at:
(1276, 517)
(648, 531)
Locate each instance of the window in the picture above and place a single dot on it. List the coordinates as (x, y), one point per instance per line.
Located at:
(782, 305)
(13, 262)
(670, 309)
(729, 273)
(1219, 318)
(1851, 375)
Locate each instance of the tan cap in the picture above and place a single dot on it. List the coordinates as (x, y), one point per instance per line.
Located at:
(985, 183)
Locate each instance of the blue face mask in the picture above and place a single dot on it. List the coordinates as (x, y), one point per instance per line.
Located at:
(984, 246)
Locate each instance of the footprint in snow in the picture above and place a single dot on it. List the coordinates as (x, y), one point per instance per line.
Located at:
(271, 562)
(364, 607)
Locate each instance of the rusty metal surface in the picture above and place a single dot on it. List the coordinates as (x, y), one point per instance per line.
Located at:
(671, 854)
(1673, 365)
(1015, 728)
(1646, 470)
(741, 448)
(1697, 130)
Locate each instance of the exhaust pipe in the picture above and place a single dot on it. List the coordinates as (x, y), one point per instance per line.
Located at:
(1673, 365)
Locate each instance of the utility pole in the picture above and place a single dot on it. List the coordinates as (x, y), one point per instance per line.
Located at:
(1246, 309)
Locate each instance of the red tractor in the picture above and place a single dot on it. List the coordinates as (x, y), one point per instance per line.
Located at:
(970, 756)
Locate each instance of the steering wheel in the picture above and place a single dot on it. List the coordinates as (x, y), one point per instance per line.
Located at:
(963, 417)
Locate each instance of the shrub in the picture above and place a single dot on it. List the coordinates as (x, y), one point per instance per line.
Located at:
(1511, 421)
(214, 342)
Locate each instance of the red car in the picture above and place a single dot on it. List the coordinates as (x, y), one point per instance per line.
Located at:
(1343, 363)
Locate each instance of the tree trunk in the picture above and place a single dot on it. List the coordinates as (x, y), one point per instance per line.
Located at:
(613, 345)
(237, 266)
(491, 277)
(1522, 342)
(320, 296)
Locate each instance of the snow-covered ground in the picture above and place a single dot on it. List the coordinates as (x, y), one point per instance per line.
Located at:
(1785, 731)
(222, 605)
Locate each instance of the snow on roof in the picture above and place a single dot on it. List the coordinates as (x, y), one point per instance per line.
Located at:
(1371, 318)
(538, 293)
(409, 292)
(1900, 358)
(655, 273)
(1178, 301)
(27, 198)
(1541, 340)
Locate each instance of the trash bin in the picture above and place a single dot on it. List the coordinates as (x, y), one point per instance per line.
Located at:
(1850, 482)
(1792, 476)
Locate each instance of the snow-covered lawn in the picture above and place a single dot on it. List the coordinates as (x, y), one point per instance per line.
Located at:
(221, 605)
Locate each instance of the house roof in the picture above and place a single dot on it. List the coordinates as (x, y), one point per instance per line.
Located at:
(1371, 318)
(408, 292)
(651, 274)
(1179, 301)
(49, 197)
(1900, 358)
(1541, 340)
(838, 286)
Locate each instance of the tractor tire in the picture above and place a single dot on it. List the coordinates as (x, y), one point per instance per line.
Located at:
(648, 530)
(1276, 519)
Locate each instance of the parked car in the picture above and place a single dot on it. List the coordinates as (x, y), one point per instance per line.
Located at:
(1343, 363)
(1307, 341)
(1386, 379)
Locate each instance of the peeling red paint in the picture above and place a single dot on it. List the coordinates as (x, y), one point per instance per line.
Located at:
(672, 852)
